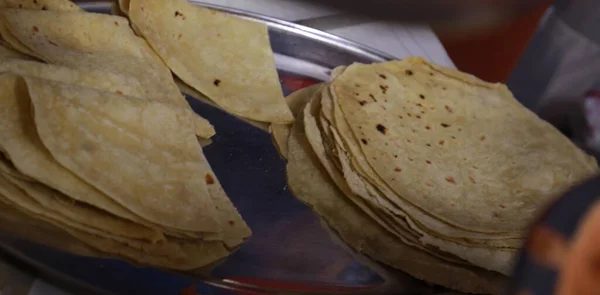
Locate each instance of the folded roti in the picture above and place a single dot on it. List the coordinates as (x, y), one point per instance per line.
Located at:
(19, 141)
(101, 80)
(52, 5)
(59, 206)
(96, 43)
(172, 254)
(227, 58)
(104, 138)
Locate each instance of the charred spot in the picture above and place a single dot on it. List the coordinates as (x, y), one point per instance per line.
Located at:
(453, 205)
(482, 137)
(395, 156)
(52, 43)
(409, 72)
(362, 102)
(409, 114)
(472, 179)
(383, 76)
(431, 74)
(381, 128)
(445, 125)
(419, 105)
(179, 37)
(408, 140)
(428, 127)
(142, 8)
(427, 161)
(422, 96)
(372, 97)
(209, 179)
(441, 142)
(216, 82)
(398, 169)
(459, 129)
(36, 29)
(495, 214)
(364, 141)
(450, 179)
(219, 35)
(119, 92)
(44, 7)
(453, 137)
(428, 145)
(384, 88)
(356, 94)
(502, 206)
(444, 88)
(357, 85)
(35, 2)
(20, 5)
(177, 13)
(418, 116)
(400, 117)
(410, 159)
(116, 23)
(449, 109)
(384, 108)
(231, 222)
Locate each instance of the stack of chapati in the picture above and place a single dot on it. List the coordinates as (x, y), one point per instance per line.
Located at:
(97, 142)
(426, 169)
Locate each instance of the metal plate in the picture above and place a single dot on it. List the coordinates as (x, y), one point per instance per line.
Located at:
(289, 249)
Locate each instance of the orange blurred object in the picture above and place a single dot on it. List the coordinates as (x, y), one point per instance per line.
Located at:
(492, 55)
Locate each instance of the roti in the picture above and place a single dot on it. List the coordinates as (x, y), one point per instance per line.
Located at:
(159, 177)
(96, 43)
(20, 142)
(507, 171)
(190, 38)
(53, 5)
(311, 185)
(281, 132)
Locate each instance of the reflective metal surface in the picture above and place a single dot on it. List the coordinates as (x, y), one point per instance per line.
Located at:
(289, 251)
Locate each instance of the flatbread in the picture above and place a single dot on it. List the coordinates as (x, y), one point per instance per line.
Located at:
(190, 38)
(101, 80)
(510, 161)
(20, 142)
(95, 43)
(52, 5)
(104, 138)
(281, 132)
(86, 216)
(173, 254)
(189, 91)
(311, 185)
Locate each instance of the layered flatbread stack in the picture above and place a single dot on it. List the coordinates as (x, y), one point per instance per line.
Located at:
(426, 169)
(98, 144)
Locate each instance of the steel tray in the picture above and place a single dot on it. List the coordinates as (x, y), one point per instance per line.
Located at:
(289, 251)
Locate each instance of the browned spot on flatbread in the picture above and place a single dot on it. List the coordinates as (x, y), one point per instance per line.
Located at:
(450, 179)
(209, 179)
